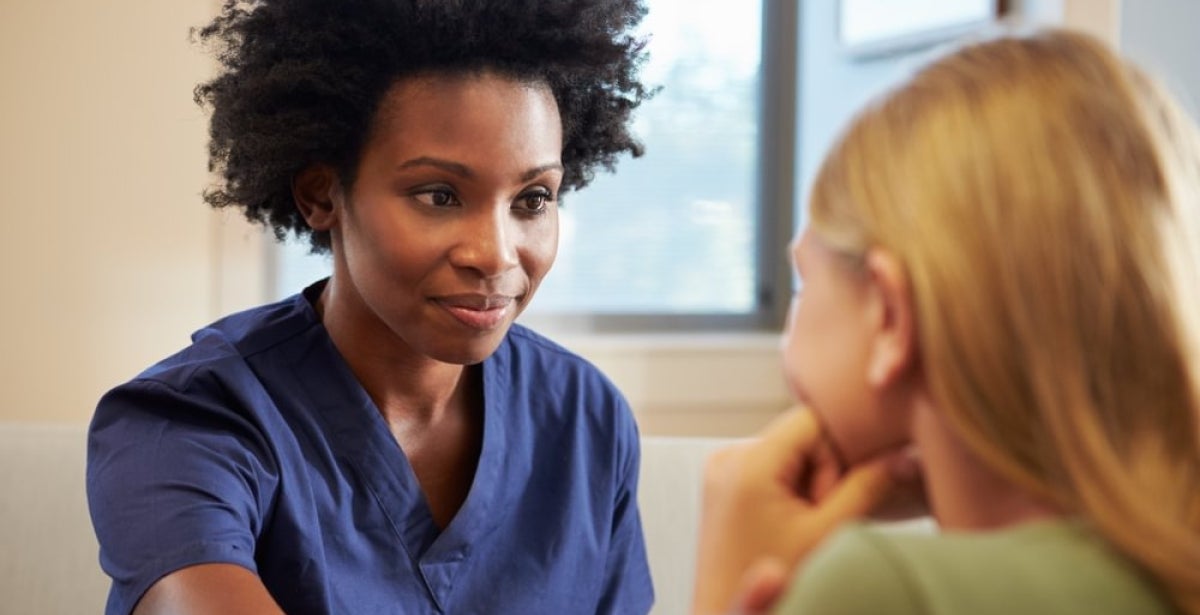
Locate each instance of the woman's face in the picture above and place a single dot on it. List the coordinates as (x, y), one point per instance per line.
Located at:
(452, 220)
(826, 347)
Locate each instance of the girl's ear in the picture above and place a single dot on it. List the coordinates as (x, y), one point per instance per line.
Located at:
(893, 323)
(318, 192)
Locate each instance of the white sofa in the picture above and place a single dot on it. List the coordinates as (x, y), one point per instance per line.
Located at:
(48, 552)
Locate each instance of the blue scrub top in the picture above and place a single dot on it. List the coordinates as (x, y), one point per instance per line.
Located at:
(256, 446)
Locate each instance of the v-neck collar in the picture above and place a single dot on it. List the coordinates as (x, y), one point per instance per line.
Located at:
(361, 438)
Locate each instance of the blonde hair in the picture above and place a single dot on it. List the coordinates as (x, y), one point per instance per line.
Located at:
(1044, 198)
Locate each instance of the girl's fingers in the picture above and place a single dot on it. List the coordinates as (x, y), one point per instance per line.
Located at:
(762, 585)
(790, 436)
(861, 490)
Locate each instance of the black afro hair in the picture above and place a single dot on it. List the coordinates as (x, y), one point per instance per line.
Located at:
(301, 80)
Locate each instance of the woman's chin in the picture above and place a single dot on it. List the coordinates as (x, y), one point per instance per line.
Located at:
(471, 351)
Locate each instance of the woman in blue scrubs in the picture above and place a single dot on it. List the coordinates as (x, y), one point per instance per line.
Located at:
(387, 440)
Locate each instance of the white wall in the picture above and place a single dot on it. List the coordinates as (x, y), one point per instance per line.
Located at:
(833, 86)
(1162, 37)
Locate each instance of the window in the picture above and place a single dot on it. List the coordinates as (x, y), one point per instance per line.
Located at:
(877, 27)
(691, 235)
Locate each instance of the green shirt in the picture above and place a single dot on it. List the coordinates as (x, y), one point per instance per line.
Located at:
(1038, 568)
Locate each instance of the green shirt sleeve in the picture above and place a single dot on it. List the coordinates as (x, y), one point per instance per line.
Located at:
(851, 574)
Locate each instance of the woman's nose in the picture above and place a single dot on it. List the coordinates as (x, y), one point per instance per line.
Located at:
(488, 243)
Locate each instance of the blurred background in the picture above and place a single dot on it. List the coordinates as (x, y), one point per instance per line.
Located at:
(672, 275)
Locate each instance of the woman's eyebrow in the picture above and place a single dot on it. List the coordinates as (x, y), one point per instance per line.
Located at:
(538, 170)
(463, 170)
(456, 168)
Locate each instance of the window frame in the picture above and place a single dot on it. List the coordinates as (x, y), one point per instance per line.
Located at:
(775, 199)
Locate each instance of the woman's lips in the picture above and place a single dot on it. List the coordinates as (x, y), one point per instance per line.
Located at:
(479, 312)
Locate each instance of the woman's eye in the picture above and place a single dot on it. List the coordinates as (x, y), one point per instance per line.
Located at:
(437, 198)
(534, 202)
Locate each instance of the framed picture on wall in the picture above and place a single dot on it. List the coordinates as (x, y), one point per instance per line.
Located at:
(869, 28)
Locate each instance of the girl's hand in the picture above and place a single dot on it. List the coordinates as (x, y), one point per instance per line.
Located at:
(773, 499)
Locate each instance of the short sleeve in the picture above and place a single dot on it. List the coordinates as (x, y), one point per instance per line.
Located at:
(852, 574)
(627, 586)
(174, 479)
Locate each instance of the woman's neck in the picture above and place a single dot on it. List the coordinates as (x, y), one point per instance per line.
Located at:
(406, 387)
(964, 494)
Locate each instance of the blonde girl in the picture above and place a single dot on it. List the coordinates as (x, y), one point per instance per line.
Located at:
(1002, 270)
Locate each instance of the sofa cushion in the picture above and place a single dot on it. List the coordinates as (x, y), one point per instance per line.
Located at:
(50, 564)
(669, 493)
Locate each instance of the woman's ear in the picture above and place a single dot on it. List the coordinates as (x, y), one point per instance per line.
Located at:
(317, 191)
(893, 346)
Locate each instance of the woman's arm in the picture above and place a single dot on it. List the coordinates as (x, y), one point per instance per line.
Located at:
(627, 586)
(208, 589)
(175, 479)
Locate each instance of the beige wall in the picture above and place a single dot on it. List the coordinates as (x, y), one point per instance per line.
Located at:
(107, 261)
(1099, 17)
